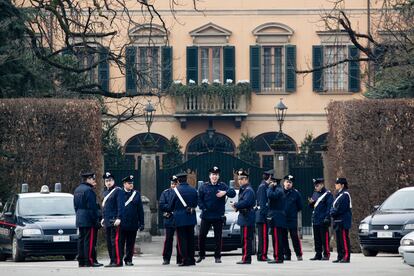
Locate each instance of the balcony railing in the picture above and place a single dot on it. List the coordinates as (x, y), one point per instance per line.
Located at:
(211, 104)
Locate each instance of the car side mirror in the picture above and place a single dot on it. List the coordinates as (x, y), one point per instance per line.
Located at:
(376, 207)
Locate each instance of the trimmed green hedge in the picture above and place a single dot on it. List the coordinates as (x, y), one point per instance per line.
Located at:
(371, 143)
(44, 141)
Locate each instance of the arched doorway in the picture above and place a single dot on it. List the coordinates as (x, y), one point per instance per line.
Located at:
(204, 143)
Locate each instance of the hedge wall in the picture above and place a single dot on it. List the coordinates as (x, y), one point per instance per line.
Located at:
(43, 141)
(371, 143)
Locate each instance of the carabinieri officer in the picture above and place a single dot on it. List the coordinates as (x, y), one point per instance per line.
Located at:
(112, 212)
(211, 200)
(246, 218)
(341, 213)
(132, 220)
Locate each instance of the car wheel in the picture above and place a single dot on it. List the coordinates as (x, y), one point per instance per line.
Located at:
(17, 255)
(3, 257)
(369, 253)
(70, 257)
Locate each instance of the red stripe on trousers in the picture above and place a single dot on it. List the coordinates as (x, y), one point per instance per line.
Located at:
(264, 242)
(118, 258)
(276, 244)
(245, 243)
(300, 243)
(328, 250)
(345, 244)
(91, 246)
(179, 244)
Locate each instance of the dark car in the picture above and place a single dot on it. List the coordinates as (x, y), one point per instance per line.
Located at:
(38, 224)
(382, 230)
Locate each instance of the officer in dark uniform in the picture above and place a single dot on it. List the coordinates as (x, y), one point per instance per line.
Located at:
(132, 220)
(84, 200)
(321, 203)
(112, 212)
(183, 205)
(169, 223)
(261, 217)
(341, 213)
(211, 201)
(277, 219)
(246, 218)
(293, 207)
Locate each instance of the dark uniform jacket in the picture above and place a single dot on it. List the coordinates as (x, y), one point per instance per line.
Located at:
(261, 212)
(341, 211)
(183, 216)
(114, 206)
(211, 206)
(321, 209)
(133, 217)
(277, 206)
(293, 206)
(84, 200)
(245, 205)
(165, 199)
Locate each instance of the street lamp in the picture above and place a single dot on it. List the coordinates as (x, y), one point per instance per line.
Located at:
(280, 111)
(149, 115)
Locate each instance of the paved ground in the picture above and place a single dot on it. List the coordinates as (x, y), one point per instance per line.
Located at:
(149, 263)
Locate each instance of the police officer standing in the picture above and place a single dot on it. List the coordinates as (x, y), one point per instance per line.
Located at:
(169, 223)
(293, 207)
(183, 205)
(341, 213)
(321, 203)
(246, 218)
(261, 217)
(84, 200)
(112, 212)
(132, 220)
(211, 201)
(277, 217)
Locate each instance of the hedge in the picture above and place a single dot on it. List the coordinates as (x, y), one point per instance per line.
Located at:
(44, 141)
(371, 143)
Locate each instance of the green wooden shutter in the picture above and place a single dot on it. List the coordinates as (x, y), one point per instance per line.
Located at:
(229, 59)
(255, 64)
(103, 70)
(317, 62)
(290, 68)
(166, 67)
(192, 63)
(354, 83)
(130, 70)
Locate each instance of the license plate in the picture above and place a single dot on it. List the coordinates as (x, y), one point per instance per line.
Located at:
(210, 234)
(61, 238)
(384, 234)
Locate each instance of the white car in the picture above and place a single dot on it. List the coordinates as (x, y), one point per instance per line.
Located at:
(406, 248)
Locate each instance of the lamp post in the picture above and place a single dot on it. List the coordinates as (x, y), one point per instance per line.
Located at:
(280, 158)
(148, 179)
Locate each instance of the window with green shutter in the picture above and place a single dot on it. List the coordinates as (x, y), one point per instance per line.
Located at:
(167, 67)
(229, 72)
(255, 64)
(192, 63)
(354, 83)
(290, 66)
(130, 70)
(103, 70)
(317, 63)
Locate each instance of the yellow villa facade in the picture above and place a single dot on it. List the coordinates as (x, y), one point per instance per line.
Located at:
(260, 42)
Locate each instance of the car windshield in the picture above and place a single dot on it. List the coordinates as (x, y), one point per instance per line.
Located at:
(400, 200)
(46, 206)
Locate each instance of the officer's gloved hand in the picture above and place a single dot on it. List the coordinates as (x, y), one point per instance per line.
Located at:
(102, 223)
(117, 222)
(141, 228)
(327, 221)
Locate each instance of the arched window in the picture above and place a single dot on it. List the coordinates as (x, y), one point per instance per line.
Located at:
(134, 145)
(320, 142)
(262, 144)
(202, 143)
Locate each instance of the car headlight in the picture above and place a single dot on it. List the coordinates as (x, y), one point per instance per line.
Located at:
(364, 227)
(407, 242)
(409, 226)
(31, 232)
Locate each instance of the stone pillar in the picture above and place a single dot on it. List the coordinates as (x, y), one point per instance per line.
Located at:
(149, 186)
(280, 164)
(145, 236)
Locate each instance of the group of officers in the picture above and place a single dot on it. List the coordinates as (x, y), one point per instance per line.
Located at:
(121, 215)
(272, 209)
